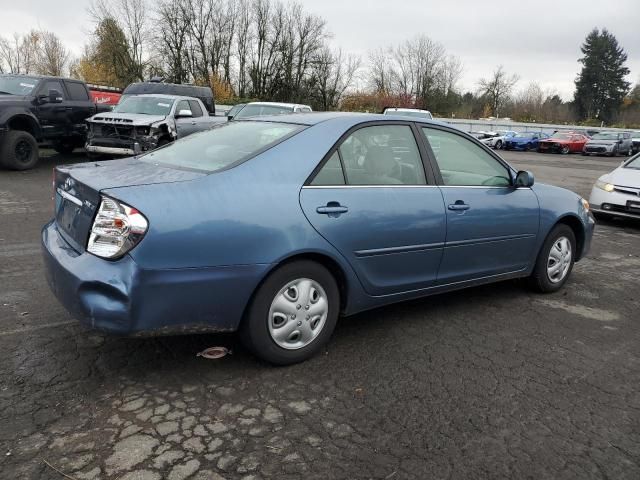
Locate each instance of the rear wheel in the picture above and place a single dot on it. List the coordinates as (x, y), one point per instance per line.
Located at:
(19, 151)
(555, 260)
(630, 152)
(292, 314)
(498, 145)
(565, 150)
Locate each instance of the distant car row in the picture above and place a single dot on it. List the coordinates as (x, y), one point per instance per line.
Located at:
(602, 143)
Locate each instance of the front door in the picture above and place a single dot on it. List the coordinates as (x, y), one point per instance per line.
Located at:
(491, 225)
(184, 125)
(371, 200)
(54, 117)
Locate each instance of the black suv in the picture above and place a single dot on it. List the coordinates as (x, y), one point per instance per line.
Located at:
(36, 108)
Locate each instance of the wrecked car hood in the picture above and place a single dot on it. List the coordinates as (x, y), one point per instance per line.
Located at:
(134, 119)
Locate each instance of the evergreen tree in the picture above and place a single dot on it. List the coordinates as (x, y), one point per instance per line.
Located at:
(601, 85)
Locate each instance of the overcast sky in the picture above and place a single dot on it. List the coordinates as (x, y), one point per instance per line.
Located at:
(539, 40)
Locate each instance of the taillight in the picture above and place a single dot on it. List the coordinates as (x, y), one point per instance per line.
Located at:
(116, 229)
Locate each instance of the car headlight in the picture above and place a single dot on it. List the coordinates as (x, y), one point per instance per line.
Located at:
(607, 187)
(143, 130)
(585, 205)
(116, 229)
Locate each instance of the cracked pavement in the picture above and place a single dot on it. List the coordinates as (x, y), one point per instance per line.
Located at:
(491, 382)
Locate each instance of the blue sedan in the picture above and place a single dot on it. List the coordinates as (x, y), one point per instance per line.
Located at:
(276, 226)
(524, 141)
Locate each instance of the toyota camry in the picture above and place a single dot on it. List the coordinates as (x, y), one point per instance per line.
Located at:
(276, 226)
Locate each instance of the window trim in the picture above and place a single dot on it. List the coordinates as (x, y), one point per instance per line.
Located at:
(436, 167)
(430, 177)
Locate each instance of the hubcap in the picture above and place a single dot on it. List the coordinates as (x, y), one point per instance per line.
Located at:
(298, 313)
(559, 260)
(23, 151)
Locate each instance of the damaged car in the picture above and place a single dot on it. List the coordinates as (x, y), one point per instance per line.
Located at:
(144, 122)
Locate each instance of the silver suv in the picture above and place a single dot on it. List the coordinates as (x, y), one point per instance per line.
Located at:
(609, 143)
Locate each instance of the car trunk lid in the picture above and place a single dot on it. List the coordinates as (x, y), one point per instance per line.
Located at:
(78, 191)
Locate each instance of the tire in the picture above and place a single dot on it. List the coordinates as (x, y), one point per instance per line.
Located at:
(19, 150)
(64, 148)
(630, 152)
(565, 150)
(273, 299)
(528, 147)
(540, 279)
(584, 154)
(498, 145)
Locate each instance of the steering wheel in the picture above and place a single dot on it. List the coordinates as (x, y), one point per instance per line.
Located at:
(490, 181)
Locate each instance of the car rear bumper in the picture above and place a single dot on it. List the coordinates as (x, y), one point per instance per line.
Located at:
(120, 297)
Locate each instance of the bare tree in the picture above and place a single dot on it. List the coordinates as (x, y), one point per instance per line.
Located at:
(243, 37)
(381, 71)
(171, 35)
(19, 53)
(497, 89)
(52, 56)
(332, 75)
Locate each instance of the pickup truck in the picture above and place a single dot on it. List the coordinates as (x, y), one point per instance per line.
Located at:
(38, 109)
(140, 123)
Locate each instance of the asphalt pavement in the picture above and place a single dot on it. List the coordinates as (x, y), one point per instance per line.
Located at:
(487, 383)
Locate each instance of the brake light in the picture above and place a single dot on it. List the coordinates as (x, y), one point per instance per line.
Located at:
(116, 229)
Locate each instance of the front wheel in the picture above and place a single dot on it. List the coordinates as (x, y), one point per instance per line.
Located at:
(565, 150)
(292, 314)
(19, 150)
(498, 145)
(555, 260)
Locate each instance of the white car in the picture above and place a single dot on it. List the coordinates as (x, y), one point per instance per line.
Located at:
(618, 193)
(497, 141)
(408, 112)
(259, 109)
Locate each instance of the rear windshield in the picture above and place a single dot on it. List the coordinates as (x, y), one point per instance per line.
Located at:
(409, 113)
(145, 105)
(605, 136)
(223, 146)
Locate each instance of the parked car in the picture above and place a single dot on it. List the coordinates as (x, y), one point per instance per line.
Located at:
(563, 142)
(610, 144)
(497, 141)
(234, 110)
(276, 226)
(524, 141)
(482, 135)
(260, 109)
(36, 108)
(204, 94)
(635, 140)
(618, 193)
(143, 122)
(408, 112)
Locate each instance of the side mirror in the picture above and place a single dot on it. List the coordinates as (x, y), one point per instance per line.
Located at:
(55, 96)
(229, 117)
(184, 114)
(524, 178)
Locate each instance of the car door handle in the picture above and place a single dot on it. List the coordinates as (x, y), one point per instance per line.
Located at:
(332, 208)
(459, 206)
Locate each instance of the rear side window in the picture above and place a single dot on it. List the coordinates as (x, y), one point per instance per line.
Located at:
(223, 146)
(195, 108)
(331, 173)
(77, 91)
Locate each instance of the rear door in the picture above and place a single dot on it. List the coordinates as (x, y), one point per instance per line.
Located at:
(374, 202)
(491, 225)
(81, 107)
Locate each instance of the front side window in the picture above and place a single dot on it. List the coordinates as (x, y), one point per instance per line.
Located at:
(196, 111)
(183, 105)
(53, 85)
(222, 146)
(145, 105)
(382, 155)
(463, 163)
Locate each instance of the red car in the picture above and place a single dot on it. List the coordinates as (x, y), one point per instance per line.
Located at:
(563, 142)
